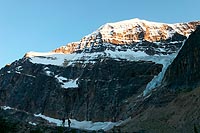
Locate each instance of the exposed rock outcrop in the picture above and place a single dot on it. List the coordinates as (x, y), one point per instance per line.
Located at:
(174, 106)
(128, 33)
(102, 87)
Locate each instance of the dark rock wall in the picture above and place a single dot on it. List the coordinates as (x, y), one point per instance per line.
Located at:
(102, 88)
(184, 72)
(175, 105)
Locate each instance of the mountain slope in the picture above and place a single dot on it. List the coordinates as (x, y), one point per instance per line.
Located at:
(174, 106)
(178, 116)
(166, 40)
(97, 78)
(86, 91)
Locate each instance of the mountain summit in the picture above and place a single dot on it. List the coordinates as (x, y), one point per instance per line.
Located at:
(105, 79)
(125, 33)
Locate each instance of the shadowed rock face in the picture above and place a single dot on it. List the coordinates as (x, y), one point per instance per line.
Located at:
(178, 116)
(174, 106)
(184, 71)
(102, 88)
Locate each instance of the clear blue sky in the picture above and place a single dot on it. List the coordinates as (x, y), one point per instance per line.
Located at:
(43, 25)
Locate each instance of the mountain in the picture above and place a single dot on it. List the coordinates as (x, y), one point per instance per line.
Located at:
(108, 75)
(174, 106)
(126, 35)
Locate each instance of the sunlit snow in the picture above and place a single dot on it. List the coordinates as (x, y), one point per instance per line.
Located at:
(68, 59)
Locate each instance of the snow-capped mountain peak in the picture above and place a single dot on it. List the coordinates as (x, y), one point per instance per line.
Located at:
(131, 40)
(129, 33)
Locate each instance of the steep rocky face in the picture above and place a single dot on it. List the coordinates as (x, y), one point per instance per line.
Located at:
(184, 71)
(174, 106)
(99, 94)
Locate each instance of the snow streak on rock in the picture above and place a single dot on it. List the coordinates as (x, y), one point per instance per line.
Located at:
(156, 81)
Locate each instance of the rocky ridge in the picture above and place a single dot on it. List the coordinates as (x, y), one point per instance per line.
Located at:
(135, 34)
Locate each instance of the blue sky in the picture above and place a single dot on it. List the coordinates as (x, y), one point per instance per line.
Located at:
(43, 25)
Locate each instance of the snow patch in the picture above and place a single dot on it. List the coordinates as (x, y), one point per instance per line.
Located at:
(49, 73)
(85, 58)
(67, 83)
(87, 125)
(19, 68)
(6, 107)
(17, 72)
(51, 120)
(71, 84)
(32, 123)
(34, 54)
(54, 59)
(69, 59)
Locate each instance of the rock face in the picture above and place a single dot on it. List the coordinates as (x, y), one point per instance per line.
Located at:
(184, 71)
(102, 77)
(174, 106)
(129, 33)
(102, 87)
